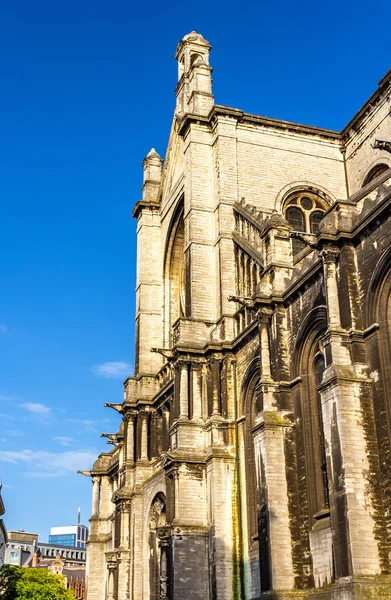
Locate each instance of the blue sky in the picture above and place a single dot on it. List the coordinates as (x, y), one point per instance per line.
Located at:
(87, 90)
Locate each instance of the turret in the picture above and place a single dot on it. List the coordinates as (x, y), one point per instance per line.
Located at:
(148, 287)
(152, 165)
(194, 89)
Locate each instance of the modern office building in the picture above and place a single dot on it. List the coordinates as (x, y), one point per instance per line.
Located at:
(74, 535)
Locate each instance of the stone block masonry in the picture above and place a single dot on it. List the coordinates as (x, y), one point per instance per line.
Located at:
(253, 457)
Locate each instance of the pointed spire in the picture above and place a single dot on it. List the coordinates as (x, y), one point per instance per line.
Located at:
(153, 154)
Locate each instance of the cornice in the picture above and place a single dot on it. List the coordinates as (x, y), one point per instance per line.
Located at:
(383, 86)
(270, 122)
(142, 204)
(219, 110)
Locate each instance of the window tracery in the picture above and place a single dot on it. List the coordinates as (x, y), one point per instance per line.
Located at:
(304, 211)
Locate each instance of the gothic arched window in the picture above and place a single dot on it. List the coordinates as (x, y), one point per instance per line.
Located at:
(177, 298)
(313, 370)
(318, 370)
(303, 211)
(374, 173)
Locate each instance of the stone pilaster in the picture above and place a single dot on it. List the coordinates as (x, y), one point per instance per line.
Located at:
(112, 565)
(124, 552)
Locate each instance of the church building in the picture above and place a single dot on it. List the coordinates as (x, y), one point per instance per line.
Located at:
(253, 460)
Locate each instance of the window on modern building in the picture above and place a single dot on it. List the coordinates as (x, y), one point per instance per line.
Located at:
(374, 173)
(303, 211)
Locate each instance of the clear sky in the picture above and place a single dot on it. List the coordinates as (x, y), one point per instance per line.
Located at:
(87, 90)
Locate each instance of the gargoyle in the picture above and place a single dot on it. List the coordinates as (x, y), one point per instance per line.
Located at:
(246, 301)
(308, 239)
(382, 145)
(164, 352)
(117, 407)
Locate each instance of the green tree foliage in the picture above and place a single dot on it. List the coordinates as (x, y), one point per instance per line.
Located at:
(9, 576)
(17, 583)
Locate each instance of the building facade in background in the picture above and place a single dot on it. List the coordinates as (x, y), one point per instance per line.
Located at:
(253, 457)
(22, 546)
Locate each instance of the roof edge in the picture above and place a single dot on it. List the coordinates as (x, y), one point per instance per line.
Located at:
(382, 86)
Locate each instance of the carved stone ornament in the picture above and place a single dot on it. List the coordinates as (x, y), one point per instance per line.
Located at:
(277, 220)
(330, 254)
(382, 145)
(164, 534)
(111, 560)
(264, 314)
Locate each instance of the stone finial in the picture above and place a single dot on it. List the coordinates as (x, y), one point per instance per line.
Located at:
(152, 157)
(278, 220)
(193, 36)
(152, 165)
(153, 154)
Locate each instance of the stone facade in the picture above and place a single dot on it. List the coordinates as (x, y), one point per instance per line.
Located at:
(253, 458)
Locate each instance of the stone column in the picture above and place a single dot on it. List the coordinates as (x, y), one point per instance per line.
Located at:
(95, 495)
(125, 525)
(330, 256)
(184, 391)
(264, 316)
(215, 375)
(123, 570)
(129, 420)
(121, 450)
(166, 429)
(267, 387)
(164, 545)
(144, 436)
(196, 382)
(112, 567)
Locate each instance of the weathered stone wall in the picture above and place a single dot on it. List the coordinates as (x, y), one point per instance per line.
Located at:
(372, 122)
(253, 457)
